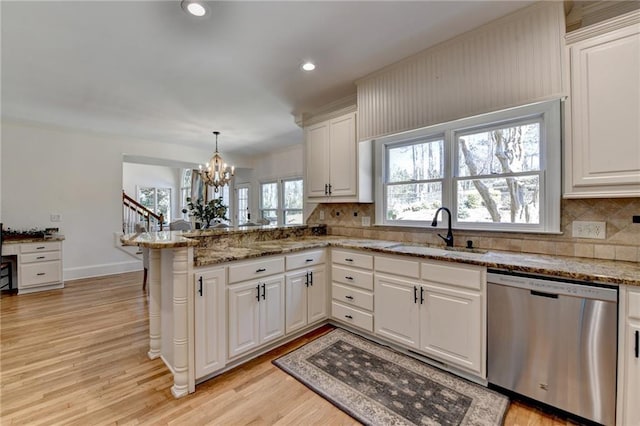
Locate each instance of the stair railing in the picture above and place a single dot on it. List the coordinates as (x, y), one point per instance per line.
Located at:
(133, 212)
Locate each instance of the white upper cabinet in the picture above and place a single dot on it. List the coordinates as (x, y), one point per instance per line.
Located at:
(335, 169)
(602, 133)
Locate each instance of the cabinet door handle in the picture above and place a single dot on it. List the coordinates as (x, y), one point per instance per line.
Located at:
(349, 297)
(40, 257)
(326, 189)
(348, 278)
(415, 294)
(258, 292)
(306, 282)
(311, 278)
(260, 270)
(348, 316)
(200, 285)
(348, 259)
(637, 344)
(421, 295)
(264, 291)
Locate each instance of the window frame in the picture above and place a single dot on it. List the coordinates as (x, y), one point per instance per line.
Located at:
(280, 210)
(548, 113)
(284, 209)
(155, 189)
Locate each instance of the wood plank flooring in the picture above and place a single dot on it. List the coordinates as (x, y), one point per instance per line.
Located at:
(78, 356)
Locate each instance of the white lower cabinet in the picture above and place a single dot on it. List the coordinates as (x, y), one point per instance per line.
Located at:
(628, 412)
(397, 309)
(256, 314)
(210, 322)
(306, 298)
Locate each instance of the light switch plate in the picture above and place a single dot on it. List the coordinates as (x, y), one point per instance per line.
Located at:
(585, 229)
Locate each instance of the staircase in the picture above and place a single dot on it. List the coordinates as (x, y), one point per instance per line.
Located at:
(134, 213)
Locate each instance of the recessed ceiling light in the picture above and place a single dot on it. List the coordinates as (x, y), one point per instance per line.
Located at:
(308, 66)
(195, 8)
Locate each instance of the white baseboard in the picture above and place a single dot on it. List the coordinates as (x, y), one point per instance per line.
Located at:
(101, 270)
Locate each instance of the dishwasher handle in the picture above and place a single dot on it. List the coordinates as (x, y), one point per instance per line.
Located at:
(541, 294)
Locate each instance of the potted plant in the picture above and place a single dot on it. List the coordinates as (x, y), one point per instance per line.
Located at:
(205, 213)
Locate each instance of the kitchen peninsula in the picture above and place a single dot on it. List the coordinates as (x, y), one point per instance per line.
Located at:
(242, 265)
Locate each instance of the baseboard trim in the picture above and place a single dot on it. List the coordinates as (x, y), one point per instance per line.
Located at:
(101, 270)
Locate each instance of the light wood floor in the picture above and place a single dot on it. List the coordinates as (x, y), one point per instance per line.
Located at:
(78, 356)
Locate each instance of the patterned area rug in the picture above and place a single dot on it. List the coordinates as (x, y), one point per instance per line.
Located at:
(378, 386)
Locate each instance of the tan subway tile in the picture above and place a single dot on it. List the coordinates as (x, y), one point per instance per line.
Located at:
(583, 250)
(564, 248)
(627, 253)
(604, 251)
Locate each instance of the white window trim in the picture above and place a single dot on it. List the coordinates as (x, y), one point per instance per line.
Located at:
(236, 188)
(155, 199)
(550, 166)
(280, 210)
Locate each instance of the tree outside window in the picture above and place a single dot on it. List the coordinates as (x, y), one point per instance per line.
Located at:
(158, 200)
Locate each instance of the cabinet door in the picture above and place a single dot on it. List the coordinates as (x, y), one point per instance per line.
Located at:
(317, 294)
(244, 316)
(605, 107)
(296, 301)
(317, 163)
(396, 310)
(272, 309)
(343, 162)
(210, 322)
(631, 393)
(451, 326)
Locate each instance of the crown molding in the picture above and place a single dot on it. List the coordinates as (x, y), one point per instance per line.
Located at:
(331, 110)
(628, 19)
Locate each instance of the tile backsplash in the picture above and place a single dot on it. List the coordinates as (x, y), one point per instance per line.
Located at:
(622, 240)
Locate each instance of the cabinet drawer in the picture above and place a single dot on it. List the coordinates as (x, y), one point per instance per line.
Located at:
(352, 316)
(45, 256)
(255, 269)
(352, 296)
(454, 274)
(301, 260)
(351, 276)
(633, 304)
(395, 266)
(350, 258)
(38, 247)
(40, 273)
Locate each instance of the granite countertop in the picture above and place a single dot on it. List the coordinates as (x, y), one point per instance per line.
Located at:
(593, 270)
(33, 239)
(159, 240)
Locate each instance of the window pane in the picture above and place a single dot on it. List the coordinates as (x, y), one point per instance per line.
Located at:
(503, 200)
(271, 216)
(186, 178)
(504, 150)
(293, 217)
(243, 205)
(269, 194)
(146, 197)
(413, 201)
(421, 161)
(293, 194)
(164, 203)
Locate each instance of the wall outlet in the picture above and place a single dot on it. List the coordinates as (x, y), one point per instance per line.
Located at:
(55, 218)
(366, 220)
(321, 214)
(584, 229)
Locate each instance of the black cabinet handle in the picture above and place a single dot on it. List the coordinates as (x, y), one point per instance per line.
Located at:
(637, 344)
(329, 189)
(40, 274)
(415, 294)
(306, 282)
(264, 291)
(348, 260)
(40, 248)
(349, 297)
(348, 278)
(200, 286)
(326, 189)
(260, 270)
(258, 292)
(40, 257)
(311, 278)
(308, 260)
(348, 316)
(421, 295)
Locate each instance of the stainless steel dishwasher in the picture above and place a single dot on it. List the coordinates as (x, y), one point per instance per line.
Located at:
(554, 341)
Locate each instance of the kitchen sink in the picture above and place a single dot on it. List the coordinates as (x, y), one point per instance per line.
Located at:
(435, 251)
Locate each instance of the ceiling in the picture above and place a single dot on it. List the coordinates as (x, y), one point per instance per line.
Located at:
(146, 69)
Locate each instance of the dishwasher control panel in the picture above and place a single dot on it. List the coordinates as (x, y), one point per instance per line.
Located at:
(553, 287)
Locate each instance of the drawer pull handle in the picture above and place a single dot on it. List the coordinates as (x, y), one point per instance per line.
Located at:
(349, 297)
(348, 278)
(348, 316)
(40, 257)
(637, 344)
(309, 260)
(260, 270)
(40, 248)
(348, 259)
(40, 274)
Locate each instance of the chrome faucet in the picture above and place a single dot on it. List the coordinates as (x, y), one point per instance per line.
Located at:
(449, 238)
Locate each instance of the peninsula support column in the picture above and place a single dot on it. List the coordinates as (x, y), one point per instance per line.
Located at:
(180, 386)
(155, 295)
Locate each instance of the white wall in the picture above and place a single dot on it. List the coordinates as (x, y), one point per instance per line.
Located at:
(78, 175)
(144, 175)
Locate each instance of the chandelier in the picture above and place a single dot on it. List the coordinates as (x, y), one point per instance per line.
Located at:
(216, 172)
